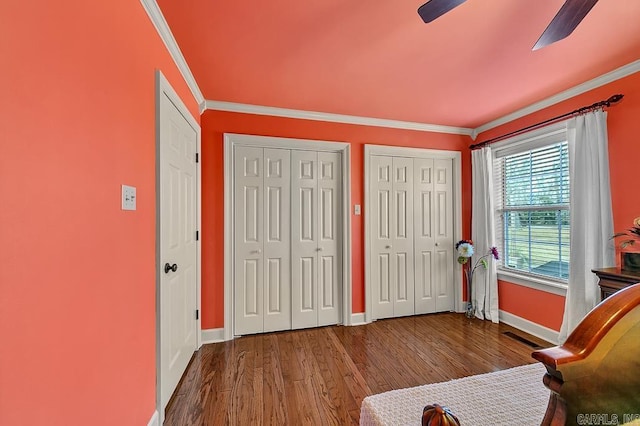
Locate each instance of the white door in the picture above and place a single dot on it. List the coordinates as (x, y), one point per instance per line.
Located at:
(277, 240)
(402, 234)
(249, 233)
(424, 235)
(330, 233)
(433, 219)
(381, 189)
(315, 238)
(262, 237)
(391, 186)
(178, 226)
(442, 281)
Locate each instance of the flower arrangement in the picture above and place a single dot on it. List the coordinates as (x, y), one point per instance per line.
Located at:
(632, 234)
(465, 250)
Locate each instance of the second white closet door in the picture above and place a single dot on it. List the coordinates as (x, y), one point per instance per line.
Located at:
(433, 218)
(315, 236)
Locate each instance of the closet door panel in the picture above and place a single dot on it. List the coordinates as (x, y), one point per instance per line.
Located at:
(443, 220)
(402, 236)
(277, 240)
(304, 238)
(329, 289)
(249, 219)
(424, 235)
(382, 254)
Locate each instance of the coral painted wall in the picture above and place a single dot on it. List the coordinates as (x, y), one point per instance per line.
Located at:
(77, 282)
(537, 306)
(216, 123)
(545, 308)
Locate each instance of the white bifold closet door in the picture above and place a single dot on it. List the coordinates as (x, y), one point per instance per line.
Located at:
(315, 238)
(412, 235)
(262, 240)
(392, 277)
(433, 237)
(287, 260)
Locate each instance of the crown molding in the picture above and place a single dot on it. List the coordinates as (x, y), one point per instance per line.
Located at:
(617, 74)
(334, 118)
(157, 18)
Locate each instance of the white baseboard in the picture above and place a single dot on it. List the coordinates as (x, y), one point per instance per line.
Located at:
(212, 335)
(155, 419)
(529, 327)
(357, 319)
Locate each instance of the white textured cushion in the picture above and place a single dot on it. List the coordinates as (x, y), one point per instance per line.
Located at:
(515, 396)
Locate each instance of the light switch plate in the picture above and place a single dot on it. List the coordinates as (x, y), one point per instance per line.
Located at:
(356, 210)
(128, 197)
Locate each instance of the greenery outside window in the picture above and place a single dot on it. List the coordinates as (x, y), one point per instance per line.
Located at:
(532, 201)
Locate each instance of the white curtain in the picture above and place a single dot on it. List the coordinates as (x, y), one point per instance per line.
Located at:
(485, 282)
(590, 215)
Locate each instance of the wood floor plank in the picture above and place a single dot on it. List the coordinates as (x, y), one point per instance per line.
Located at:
(275, 412)
(320, 376)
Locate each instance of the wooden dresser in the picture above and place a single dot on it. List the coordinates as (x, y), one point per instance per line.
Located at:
(614, 279)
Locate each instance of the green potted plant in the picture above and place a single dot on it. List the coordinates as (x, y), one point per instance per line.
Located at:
(630, 261)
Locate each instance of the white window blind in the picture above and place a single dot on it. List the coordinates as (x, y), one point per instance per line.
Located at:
(532, 201)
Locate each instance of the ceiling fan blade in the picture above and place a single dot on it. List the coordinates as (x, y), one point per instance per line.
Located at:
(566, 20)
(435, 8)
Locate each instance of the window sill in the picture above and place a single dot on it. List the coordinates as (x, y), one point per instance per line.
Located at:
(541, 284)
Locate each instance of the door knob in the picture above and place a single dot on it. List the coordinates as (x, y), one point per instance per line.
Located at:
(319, 249)
(387, 246)
(168, 267)
(258, 251)
(436, 244)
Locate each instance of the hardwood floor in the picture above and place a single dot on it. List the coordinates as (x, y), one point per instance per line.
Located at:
(320, 376)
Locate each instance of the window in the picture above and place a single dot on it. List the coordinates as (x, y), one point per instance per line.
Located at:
(532, 201)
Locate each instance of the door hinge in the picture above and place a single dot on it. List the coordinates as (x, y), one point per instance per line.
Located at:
(197, 157)
(197, 314)
(197, 235)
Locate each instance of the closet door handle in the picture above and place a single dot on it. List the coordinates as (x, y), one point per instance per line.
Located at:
(389, 246)
(258, 251)
(168, 268)
(319, 249)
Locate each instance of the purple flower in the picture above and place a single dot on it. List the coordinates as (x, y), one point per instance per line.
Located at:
(494, 252)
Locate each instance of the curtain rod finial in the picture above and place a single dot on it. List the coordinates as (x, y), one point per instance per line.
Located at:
(615, 98)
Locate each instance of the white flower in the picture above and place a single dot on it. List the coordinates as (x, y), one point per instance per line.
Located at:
(465, 250)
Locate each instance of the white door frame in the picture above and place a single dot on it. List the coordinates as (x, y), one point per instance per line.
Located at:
(399, 151)
(230, 141)
(163, 88)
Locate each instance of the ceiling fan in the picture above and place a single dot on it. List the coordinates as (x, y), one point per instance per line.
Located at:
(566, 20)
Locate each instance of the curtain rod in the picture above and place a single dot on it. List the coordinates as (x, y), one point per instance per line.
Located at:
(602, 104)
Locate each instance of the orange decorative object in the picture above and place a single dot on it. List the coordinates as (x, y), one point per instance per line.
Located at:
(437, 415)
